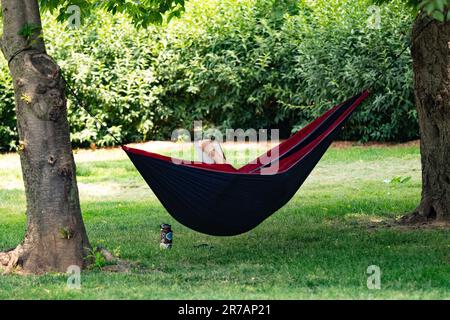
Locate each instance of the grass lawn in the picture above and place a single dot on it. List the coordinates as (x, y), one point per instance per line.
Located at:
(318, 246)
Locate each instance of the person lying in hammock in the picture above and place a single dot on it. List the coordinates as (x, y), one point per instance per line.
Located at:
(209, 151)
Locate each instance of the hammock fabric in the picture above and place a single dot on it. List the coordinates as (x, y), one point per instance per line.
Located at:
(219, 200)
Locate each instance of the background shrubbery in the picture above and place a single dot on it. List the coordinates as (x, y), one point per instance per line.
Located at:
(233, 63)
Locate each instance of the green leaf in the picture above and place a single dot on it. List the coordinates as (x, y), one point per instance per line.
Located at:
(429, 7)
(405, 179)
(28, 30)
(439, 16)
(440, 5)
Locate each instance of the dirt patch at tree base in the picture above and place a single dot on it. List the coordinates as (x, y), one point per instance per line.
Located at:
(349, 144)
(400, 225)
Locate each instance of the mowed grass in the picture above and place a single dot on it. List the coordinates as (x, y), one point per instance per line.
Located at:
(318, 246)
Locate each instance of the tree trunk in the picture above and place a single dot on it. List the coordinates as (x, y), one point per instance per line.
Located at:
(56, 237)
(431, 62)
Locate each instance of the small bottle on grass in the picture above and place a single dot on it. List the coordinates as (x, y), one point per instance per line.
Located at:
(166, 237)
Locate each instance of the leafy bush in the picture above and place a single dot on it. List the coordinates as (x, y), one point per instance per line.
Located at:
(8, 134)
(282, 63)
(233, 63)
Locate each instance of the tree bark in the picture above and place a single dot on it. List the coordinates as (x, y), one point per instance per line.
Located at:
(431, 63)
(56, 237)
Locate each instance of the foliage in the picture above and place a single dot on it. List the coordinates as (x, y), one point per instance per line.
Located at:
(97, 259)
(28, 30)
(244, 64)
(438, 9)
(231, 63)
(142, 12)
(8, 132)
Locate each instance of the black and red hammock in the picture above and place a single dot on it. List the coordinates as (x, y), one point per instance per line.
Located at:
(220, 200)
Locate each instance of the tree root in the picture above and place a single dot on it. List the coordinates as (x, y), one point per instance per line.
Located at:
(9, 260)
(428, 211)
(415, 218)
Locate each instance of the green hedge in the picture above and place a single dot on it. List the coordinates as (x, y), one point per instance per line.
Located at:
(7, 112)
(234, 63)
